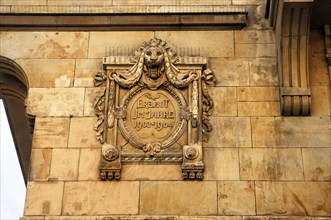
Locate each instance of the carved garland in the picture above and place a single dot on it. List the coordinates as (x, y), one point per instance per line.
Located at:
(154, 71)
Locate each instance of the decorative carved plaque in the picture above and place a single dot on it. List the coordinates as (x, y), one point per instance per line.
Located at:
(154, 109)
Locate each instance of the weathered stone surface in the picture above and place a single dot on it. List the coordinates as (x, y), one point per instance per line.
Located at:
(145, 2)
(48, 72)
(263, 72)
(271, 164)
(40, 164)
(85, 71)
(258, 108)
(44, 44)
(291, 132)
(43, 198)
(78, 2)
(249, 2)
(236, 198)
(89, 163)
(56, 101)
(317, 163)
(225, 101)
(293, 198)
(116, 43)
(254, 36)
(72, 218)
(139, 217)
(257, 94)
(82, 134)
(166, 198)
(100, 198)
(210, 217)
(205, 2)
(318, 68)
(5, 9)
(320, 101)
(151, 172)
(208, 42)
(230, 71)
(23, 2)
(221, 164)
(255, 50)
(273, 217)
(256, 17)
(32, 218)
(230, 132)
(90, 95)
(51, 133)
(64, 164)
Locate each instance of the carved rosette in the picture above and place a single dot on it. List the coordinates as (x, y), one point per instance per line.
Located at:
(153, 110)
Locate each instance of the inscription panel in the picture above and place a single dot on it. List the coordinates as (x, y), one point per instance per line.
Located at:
(159, 112)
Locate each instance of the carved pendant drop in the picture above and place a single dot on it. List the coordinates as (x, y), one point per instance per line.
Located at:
(155, 108)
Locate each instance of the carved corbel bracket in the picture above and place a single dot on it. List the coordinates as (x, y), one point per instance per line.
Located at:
(292, 21)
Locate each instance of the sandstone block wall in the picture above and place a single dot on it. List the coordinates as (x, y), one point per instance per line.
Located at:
(258, 163)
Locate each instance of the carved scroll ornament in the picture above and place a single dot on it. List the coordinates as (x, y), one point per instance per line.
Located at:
(153, 111)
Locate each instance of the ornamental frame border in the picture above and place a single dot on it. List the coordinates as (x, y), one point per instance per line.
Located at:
(175, 73)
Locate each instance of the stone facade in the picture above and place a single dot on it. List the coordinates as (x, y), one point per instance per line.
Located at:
(258, 163)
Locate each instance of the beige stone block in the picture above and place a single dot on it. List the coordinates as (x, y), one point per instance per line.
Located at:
(139, 217)
(51, 133)
(230, 132)
(258, 108)
(151, 172)
(32, 218)
(263, 72)
(40, 164)
(178, 198)
(230, 71)
(271, 164)
(96, 197)
(208, 42)
(43, 45)
(316, 42)
(82, 134)
(43, 198)
(291, 132)
(248, 2)
(56, 101)
(257, 94)
(72, 218)
(89, 163)
(221, 164)
(236, 198)
(78, 2)
(255, 50)
(64, 164)
(86, 70)
(210, 218)
(23, 2)
(320, 101)
(205, 2)
(116, 43)
(90, 95)
(48, 72)
(317, 163)
(254, 36)
(5, 9)
(225, 101)
(293, 198)
(145, 2)
(318, 70)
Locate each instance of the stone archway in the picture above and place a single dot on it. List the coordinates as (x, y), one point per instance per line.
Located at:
(13, 91)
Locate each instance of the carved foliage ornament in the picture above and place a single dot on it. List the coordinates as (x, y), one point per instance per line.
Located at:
(152, 110)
